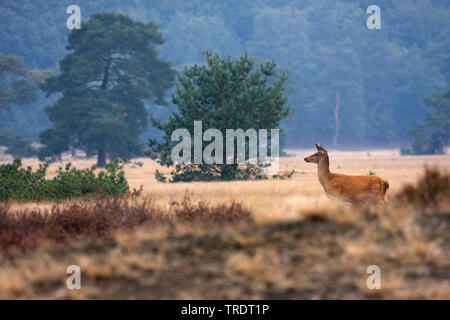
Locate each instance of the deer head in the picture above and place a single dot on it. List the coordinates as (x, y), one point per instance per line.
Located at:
(320, 154)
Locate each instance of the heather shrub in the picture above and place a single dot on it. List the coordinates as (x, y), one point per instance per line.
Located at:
(18, 183)
(97, 220)
(432, 189)
(187, 211)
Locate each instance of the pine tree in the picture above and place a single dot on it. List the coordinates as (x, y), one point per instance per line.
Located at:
(111, 69)
(223, 94)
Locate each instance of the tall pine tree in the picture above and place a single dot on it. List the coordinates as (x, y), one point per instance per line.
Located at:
(112, 68)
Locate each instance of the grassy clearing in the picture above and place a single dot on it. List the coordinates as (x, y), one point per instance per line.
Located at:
(249, 239)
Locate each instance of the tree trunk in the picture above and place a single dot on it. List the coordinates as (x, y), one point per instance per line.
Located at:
(106, 75)
(101, 158)
(336, 118)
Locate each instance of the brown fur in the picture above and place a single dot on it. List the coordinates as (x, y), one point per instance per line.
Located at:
(348, 188)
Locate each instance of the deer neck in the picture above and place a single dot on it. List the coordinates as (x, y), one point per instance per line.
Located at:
(323, 171)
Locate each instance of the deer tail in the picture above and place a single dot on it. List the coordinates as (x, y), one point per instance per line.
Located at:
(386, 184)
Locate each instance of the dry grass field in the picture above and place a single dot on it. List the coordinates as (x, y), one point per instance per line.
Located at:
(286, 239)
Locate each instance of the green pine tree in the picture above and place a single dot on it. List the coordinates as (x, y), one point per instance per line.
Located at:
(111, 69)
(224, 94)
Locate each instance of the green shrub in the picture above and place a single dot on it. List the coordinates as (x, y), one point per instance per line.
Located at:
(17, 183)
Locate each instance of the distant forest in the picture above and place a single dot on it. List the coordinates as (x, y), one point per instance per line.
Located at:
(348, 86)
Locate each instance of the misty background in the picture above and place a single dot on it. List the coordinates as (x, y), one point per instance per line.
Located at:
(373, 81)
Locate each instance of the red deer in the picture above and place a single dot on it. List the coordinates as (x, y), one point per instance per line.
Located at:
(355, 189)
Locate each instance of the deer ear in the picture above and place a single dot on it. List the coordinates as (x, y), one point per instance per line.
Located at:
(320, 148)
